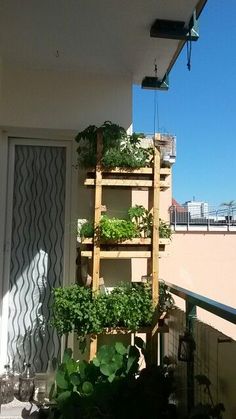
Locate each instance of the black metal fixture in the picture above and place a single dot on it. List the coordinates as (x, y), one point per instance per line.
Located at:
(186, 347)
(155, 83)
(175, 29)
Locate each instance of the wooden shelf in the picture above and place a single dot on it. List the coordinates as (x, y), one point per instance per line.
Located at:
(164, 171)
(121, 254)
(125, 331)
(142, 241)
(132, 183)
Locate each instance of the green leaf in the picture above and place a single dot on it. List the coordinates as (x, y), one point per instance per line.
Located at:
(108, 369)
(61, 380)
(75, 379)
(82, 369)
(120, 348)
(111, 378)
(87, 388)
(96, 362)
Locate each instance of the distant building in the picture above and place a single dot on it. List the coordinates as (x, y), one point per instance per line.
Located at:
(197, 209)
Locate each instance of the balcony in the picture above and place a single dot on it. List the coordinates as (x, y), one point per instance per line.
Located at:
(199, 219)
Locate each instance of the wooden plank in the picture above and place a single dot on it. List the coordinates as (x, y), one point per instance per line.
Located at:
(133, 242)
(123, 170)
(120, 254)
(142, 171)
(97, 216)
(133, 183)
(155, 227)
(96, 242)
(165, 171)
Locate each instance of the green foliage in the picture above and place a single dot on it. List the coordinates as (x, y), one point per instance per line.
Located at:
(138, 224)
(117, 229)
(111, 386)
(165, 231)
(119, 148)
(77, 309)
(142, 218)
(86, 230)
(166, 301)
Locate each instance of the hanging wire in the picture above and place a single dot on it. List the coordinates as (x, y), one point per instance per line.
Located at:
(156, 106)
(189, 53)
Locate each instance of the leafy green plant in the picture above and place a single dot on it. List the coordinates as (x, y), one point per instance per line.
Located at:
(77, 309)
(86, 230)
(165, 231)
(208, 410)
(117, 229)
(138, 224)
(142, 218)
(119, 148)
(111, 386)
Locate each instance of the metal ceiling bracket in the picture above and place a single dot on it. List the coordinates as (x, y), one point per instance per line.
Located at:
(174, 29)
(155, 84)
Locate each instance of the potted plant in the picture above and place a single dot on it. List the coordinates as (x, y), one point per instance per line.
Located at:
(119, 148)
(111, 386)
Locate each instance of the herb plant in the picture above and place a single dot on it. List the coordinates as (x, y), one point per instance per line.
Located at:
(138, 224)
(119, 148)
(117, 229)
(77, 309)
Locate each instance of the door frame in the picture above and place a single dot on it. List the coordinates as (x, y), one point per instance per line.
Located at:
(8, 140)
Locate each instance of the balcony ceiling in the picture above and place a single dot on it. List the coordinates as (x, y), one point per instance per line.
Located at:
(90, 36)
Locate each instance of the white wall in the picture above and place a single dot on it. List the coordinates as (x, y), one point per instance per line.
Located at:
(63, 100)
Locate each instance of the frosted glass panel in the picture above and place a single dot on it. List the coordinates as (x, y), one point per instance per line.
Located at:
(36, 253)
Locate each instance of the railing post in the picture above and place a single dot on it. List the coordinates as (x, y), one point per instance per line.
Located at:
(190, 316)
(175, 216)
(187, 220)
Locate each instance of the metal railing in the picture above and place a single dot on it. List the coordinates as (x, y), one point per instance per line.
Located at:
(192, 301)
(201, 216)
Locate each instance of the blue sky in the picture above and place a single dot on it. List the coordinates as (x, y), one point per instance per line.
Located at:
(200, 109)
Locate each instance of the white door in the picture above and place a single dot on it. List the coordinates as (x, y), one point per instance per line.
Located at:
(35, 262)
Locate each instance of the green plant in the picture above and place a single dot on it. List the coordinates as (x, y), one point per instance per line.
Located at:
(86, 230)
(111, 386)
(208, 410)
(117, 229)
(165, 231)
(142, 218)
(77, 309)
(119, 148)
(138, 224)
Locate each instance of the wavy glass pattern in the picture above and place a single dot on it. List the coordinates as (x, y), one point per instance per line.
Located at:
(36, 253)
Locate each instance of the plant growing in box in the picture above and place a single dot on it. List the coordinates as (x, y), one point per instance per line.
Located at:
(138, 224)
(78, 309)
(119, 148)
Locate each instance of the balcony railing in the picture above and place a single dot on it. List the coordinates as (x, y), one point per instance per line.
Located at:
(208, 341)
(207, 218)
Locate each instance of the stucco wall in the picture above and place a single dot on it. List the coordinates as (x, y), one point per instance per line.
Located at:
(204, 263)
(63, 100)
